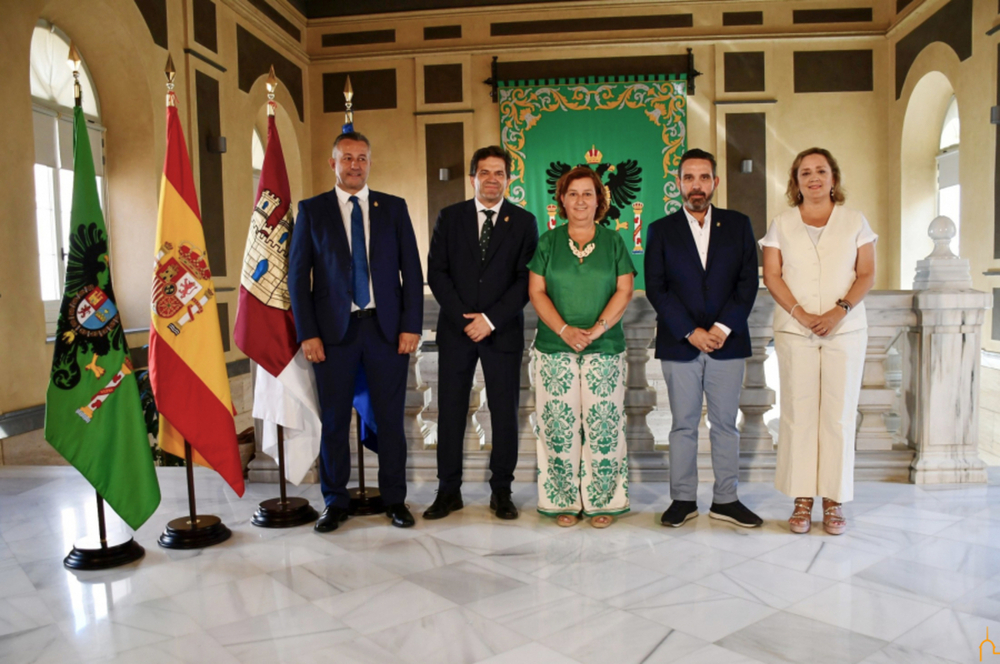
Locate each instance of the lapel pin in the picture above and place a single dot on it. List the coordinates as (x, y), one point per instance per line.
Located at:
(506, 219)
(718, 224)
(375, 203)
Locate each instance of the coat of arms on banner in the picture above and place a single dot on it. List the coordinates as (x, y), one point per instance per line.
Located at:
(182, 285)
(265, 262)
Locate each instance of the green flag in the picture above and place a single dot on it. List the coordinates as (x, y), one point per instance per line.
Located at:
(631, 130)
(93, 415)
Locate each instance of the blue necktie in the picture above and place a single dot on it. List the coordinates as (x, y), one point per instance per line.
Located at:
(359, 258)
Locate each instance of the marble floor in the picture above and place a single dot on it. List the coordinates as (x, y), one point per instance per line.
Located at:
(915, 579)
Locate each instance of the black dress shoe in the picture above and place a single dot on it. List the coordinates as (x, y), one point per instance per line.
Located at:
(443, 505)
(679, 513)
(400, 515)
(330, 519)
(504, 507)
(735, 512)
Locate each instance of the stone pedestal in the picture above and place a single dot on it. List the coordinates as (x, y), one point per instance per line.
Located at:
(947, 347)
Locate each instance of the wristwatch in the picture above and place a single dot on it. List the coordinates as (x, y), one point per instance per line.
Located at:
(604, 322)
(845, 305)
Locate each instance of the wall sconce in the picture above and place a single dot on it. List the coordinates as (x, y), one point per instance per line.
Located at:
(444, 174)
(746, 166)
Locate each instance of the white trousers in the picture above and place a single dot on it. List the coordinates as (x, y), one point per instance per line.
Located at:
(820, 386)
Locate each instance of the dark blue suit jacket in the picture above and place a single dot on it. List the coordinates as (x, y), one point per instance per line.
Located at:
(687, 296)
(322, 305)
(465, 284)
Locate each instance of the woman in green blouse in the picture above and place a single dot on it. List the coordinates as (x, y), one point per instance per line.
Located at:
(580, 284)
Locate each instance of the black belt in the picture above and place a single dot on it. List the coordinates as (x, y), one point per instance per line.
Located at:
(363, 313)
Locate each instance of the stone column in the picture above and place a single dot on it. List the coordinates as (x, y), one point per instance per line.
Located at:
(757, 398)
(420, 434)
(640, 398)
(947, 365)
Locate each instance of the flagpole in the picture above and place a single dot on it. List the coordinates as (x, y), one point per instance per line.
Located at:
(282, 512)
(363, 502)
(84, 555)
(195, 531)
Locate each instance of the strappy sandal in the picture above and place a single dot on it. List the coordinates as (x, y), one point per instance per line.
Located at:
(567, 520)
(834, 522)
(601, 520)
(801, 519)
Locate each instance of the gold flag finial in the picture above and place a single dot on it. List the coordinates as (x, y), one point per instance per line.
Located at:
(272, 83)
(170, 73)
(73, 60)
(348, 90)
(272, 86)
(348, 113)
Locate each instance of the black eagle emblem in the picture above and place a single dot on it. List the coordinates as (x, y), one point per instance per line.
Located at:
(86, 268)
(621, 183)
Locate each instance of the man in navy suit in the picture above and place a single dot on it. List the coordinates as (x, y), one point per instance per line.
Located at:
(701, 278)
(478, 271)
(357, 294)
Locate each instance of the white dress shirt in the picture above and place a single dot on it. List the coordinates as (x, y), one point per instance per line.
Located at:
(480, 220)
(346, 208)
(702, 234)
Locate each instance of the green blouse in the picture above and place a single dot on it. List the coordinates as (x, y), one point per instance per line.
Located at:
(580, 291)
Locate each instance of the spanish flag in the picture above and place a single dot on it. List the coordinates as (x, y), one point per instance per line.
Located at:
(187, 367)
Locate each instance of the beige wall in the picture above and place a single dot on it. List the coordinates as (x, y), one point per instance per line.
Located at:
(127, 69)
(864, 130)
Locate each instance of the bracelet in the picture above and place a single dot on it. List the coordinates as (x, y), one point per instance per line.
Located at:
(563, 329)
(791, 312)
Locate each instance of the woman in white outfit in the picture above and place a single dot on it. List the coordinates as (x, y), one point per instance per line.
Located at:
(819, 263)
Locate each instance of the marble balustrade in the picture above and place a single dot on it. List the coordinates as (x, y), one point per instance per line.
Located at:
(896, 412)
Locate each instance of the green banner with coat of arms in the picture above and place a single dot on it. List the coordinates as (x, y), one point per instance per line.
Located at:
(631, 130)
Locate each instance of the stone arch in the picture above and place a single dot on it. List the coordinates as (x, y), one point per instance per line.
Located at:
(106, 35)
(926, 95)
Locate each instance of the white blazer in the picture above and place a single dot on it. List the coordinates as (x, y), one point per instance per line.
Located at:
(819, 274)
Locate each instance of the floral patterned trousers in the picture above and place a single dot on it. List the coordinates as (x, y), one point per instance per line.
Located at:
(582, 460)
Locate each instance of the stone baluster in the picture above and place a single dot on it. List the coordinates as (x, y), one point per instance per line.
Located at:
(640, 398)
(526, 402)
(475, 435)
(420, 434)
(950, 316)
(877, 396)
(757, 398)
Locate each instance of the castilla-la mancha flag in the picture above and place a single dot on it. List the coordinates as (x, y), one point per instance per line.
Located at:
(187, 367)
(285, 390)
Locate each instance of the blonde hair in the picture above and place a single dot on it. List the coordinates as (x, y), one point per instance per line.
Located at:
(794, 194)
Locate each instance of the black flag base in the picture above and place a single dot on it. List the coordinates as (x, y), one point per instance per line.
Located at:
(287, 513)
(89, 554)
(207, 530)
(365, 502)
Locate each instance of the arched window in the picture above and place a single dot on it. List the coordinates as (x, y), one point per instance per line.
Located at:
(257, 160)
(52, 105)
(949, 190)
